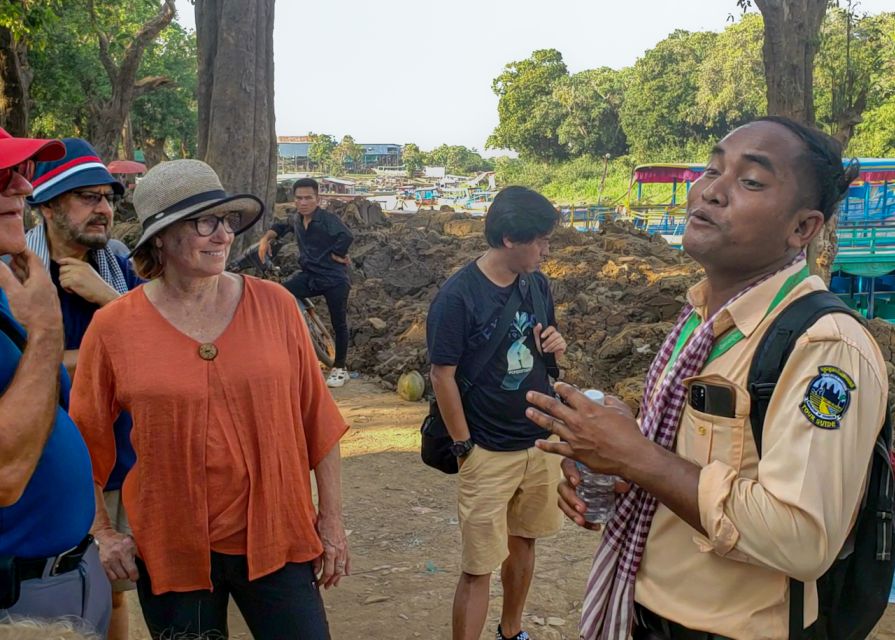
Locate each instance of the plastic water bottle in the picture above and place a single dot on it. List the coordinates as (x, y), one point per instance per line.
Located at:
(597, 490)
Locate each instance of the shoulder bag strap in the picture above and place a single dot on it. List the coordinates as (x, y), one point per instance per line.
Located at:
(540, 309)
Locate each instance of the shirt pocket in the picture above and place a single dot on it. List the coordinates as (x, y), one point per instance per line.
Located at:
(704, 437)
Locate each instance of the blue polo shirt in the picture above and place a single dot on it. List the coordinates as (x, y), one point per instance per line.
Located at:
(76, 316)
(57, 508)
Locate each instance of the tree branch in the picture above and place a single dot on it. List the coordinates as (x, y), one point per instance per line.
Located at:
(104, 56)
(151, 83)
(145, 36)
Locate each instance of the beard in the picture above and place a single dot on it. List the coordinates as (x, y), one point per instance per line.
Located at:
(97, 240)
(80, 235)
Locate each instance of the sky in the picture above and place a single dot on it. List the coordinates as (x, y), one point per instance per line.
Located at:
(398, 71)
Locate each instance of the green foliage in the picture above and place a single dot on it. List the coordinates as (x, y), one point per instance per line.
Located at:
(70, 81)
(574, 182)
(166, 117)
(28, 20)
(529, 116)
(591, 101)
(347, 154)
(875, 136)
(457, 159)
(731, 87)
(855, 72)
(412, 158)
(660, 109)
(320, 152)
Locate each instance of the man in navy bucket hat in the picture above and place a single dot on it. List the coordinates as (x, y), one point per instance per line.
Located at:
(49, 564)
(76, 197)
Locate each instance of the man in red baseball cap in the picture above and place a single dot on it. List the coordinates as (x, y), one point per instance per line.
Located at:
(49, 564)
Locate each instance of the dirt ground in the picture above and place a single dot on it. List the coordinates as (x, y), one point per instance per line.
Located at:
(404, 540)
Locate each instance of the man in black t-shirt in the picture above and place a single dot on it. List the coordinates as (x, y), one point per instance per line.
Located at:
(323, 242)
(506, 487)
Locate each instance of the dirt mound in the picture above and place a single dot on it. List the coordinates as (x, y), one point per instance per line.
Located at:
(617, 291)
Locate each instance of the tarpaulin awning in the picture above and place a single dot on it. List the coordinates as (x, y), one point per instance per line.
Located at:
(126, 166)
(661, 173)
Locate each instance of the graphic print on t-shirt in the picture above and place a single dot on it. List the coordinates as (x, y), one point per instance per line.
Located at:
(520, 360)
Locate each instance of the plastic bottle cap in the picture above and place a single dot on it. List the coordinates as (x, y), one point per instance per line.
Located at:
(596, 395)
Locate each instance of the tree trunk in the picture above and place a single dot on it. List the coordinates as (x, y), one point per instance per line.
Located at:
(237, 133)
(107, 118)
(128, 147)
(15, 81)
(791, 39)
(154, 152)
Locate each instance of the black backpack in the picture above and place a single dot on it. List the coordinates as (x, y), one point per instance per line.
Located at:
(854, 592)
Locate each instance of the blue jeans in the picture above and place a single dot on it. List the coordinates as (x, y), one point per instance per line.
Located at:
(283, 605)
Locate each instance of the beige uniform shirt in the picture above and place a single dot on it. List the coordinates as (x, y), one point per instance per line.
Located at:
(787, 514)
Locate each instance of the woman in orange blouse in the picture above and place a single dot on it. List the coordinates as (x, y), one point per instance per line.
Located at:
(230, 414)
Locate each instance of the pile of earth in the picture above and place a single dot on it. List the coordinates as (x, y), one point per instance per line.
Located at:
(617, 291)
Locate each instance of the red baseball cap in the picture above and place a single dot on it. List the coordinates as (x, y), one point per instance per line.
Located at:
(16, 150)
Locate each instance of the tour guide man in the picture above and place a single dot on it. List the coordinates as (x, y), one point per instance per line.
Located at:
(724, 531)
(49, 565)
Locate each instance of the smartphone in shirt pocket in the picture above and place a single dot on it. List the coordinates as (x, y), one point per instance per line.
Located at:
(713, 399)
(714, 421)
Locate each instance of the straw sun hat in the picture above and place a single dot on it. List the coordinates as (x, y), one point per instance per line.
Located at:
(181, 189)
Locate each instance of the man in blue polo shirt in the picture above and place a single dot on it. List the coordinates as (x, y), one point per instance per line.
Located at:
(49, 565)
(76, 197)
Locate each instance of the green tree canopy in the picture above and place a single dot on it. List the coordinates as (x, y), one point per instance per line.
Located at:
(529, 116)
(457, 159)
(591, 101)
(660, 112)
(164, 121)
(321, 151)
(348, 153)
(412, 158)
(731, 88)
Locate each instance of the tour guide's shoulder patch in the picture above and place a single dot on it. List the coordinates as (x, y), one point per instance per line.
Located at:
(827, 397)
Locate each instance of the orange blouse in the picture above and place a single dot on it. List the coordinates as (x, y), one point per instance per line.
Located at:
(262, 399)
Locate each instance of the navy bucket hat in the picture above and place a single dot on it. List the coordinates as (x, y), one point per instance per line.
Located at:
(80, 167)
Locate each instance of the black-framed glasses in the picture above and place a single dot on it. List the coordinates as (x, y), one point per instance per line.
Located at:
(207, 225)
(93, 198)
(24, 169)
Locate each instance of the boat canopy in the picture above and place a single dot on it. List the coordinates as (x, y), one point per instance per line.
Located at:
(667, 172)
(876, 169)
(872, 170)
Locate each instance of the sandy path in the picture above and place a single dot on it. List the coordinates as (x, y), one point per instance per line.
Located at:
(404, 540)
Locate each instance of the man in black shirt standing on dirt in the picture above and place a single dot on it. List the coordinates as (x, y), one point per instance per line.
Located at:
(323, 242)
(505, 483)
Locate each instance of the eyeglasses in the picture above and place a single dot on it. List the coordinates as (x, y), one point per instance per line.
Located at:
(93, 198)
(207, 225)
(24, 169)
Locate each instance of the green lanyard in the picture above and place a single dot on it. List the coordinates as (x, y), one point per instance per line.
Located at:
(730, 338)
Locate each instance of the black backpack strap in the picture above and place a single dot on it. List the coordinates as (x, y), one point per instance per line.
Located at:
(776, 345)
(487, 350)
(540, 309)
(767, 364)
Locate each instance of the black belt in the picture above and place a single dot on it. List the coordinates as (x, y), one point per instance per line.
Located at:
(651, 626)
(32, 568)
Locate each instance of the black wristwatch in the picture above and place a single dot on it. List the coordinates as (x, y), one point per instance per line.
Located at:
(462, 448)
